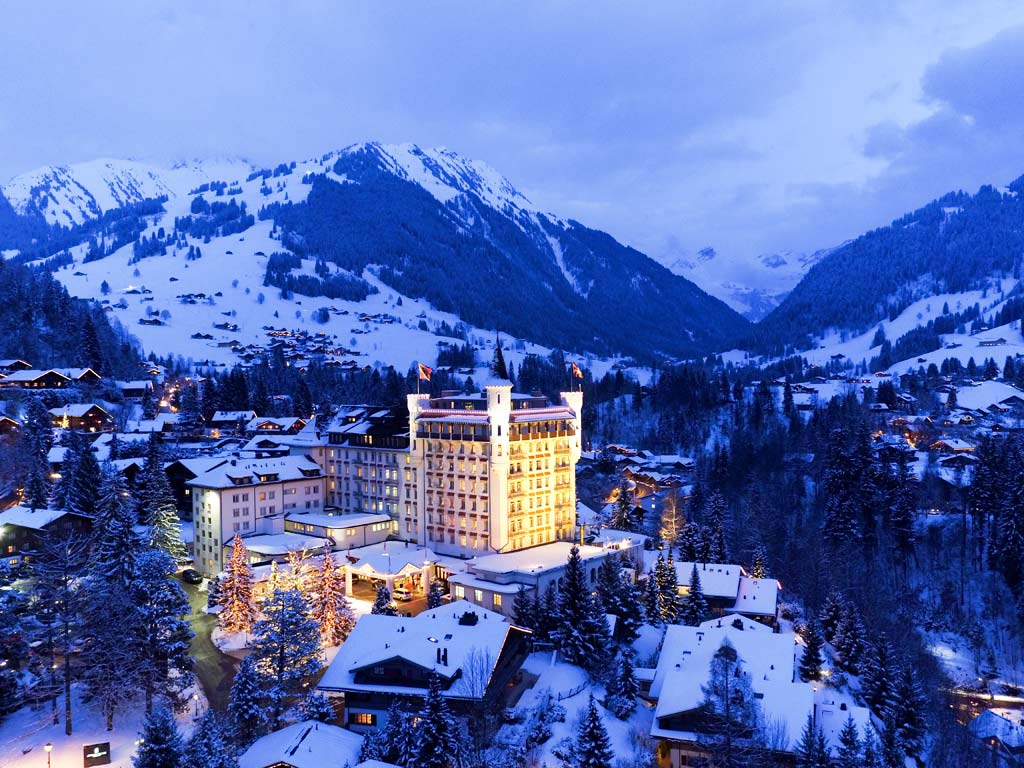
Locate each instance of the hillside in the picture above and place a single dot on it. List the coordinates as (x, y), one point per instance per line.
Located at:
(955, 244)
(367, 230)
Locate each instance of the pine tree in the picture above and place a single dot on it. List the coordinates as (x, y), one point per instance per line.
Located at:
(715, 514)
(623, 688)
(812, 658)
(318, 707)
(694, 607)
(498, 367)
(730, 705)
(164, 636)
(622, 509)
(877, 682)
(759, 568)
(906, 710)
(849, 638)
(437, 743)
(435, 599)
(690, 543)
(383, 605)
(872, 750)
(524, 609)
(812, 751)
(37, 439)
(331, 608)
(88, 477)
(114, 541)
(394, 743)
(652, 599)
(592, 747)
(245, 708)
(110, 661)
(286, 644)
(546, 611)
(850, 747)
(209, 745)
(162, 745)
(581, 633)
(235, 591)
(68, 471)
(161, 516)
(832, 613)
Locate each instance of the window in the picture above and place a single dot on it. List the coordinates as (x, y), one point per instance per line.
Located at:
(460, 592)
(497, 601)
(478, 595)
(362, 718)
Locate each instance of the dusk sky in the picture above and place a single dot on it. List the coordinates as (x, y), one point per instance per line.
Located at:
(671, 125)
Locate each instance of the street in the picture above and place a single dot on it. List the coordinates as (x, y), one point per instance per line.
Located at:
(214, 670)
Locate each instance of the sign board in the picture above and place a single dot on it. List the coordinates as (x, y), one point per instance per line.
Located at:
(96, 754)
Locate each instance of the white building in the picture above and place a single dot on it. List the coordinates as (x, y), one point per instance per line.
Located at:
(249, 497)
(495, 471)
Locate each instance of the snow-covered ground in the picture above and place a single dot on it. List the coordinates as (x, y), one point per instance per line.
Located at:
(24, 734)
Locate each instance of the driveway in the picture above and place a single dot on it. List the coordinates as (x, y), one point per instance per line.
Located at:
(214, 670)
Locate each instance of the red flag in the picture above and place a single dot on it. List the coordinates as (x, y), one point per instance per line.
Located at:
(576, 371)
(425, 372)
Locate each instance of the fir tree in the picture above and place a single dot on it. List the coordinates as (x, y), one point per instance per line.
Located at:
(592, 747)
(435, 599)
(161, 515)
(581, 633)
(872, 750)
(162, 745)
(246, 710)
(524, 609)
(37, 439)
(88, 477)
(286, 644)
(318, 707)
(164, 636)
(812, 658)
(114, 541)
(878, 679)
(235, 591)
(394, 742)
(652, 599)
(694, 607)
(111, 663)
(498, 367)
(331, 608)
(759, 568)
(730, 706)
(437, 742)
(850, 747)
(622, 689)
(715, 514)
(691, 543)
(849, 638)
(812, 751)
(383, 605)
(622, 509)
(209, 745)
(906, 710)
(832, 613)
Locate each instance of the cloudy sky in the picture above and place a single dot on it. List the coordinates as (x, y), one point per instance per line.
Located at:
(749, 127)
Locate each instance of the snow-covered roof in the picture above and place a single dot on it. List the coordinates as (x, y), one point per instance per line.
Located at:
(24, 517)
(375, 764)
(533, 560)
(324, 520)
(233, 416)
(277, 544)
(420, 641)
(74, 410)
(980, 396)
(757, 596)
(282, 468)
(610, 538)
(307, 744)
(994, 723)
(716, 579)
(472, 581)
(390, 557)
(831, 714)
(31, 374)
(282, 422)
(736, 620)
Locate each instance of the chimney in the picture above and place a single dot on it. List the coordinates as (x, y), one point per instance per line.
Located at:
(444, 657)
(438, 655)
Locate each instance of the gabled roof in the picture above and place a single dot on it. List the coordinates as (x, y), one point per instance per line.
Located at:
(993, 723)
(308, 744)
(75, 410)
(716, 579)
(31, 374)
(24, 517)
(285, 468)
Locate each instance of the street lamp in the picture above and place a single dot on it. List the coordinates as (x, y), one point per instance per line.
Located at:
(195, 698)
(49, 749)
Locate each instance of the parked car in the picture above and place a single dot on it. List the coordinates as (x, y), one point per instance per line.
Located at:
(402, 594)
(191, 576)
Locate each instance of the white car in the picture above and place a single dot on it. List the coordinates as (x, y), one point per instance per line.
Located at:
(402, 595)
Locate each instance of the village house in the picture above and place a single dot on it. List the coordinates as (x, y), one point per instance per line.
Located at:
(1002, 731)
(307, 744)
(81, 417)
(728, 589)
(31, 378)
(23, 530)
(476, 654)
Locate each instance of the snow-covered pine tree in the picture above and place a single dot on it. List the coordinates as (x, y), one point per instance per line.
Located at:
(435, 599)
(235, 591)
(73, 443)
(162, 745)
(498, 367)
(246, 709)
(383, 605)
(524, 609)
(318, 707)
(694, 606)
(715, 514)
(161, 515)
(812, 658)
(652, 598)
(832, 613)
(622, 509)
(437, 742)
(906, 710)
(850, 747)
(849, 638)
(110, 661)
(115, 543)
(85, 485)
(623, 688)
(394, 742)
(299, 573)
(581, 631)
(164, 635)
(877, 682)
(690, 542)
(812, 751)
(731, 707)
(592, 748)
(209, 745)
(331, 608)
(759, 568)
(872, 750)
(286, 644)
(841, 525)
(37, 439)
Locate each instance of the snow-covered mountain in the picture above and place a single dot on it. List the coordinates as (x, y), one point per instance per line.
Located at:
(753, 287)
(414, 237)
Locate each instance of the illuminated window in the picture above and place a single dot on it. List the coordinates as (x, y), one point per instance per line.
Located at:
(362, 718)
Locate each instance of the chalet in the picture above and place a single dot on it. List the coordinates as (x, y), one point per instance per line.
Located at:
(231, 419)
(728, 589)
(32, 378)
(81, 375)
(1002, 731)
(9, 427)
(24, 530)
(309, 744)
(9, 366)
(285, 425)
(476, 654)
(134, 390)
(150, 321)
(181, 471)
(951, 445)
(81, 417)
(992, 342)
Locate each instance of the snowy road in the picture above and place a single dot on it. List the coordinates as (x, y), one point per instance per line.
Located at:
(214, 670)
